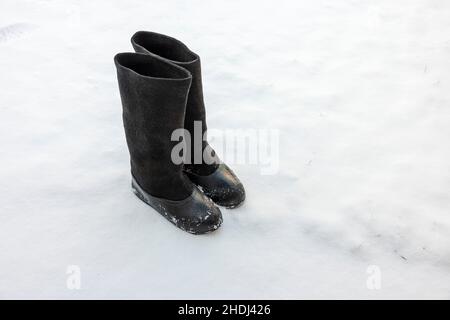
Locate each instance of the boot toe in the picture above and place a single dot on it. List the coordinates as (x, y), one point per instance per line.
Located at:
(208, 222)
(222, 186)
(230, 197)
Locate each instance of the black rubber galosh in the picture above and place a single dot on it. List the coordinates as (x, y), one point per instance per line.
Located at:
(196, 214)
(222, 186)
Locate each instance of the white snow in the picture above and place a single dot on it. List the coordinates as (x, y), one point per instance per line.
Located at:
(358, 89)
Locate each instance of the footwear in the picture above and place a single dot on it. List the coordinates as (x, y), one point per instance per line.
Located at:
(154, 94)
(215, 179)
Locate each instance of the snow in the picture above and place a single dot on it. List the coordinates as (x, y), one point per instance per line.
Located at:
(359, 91)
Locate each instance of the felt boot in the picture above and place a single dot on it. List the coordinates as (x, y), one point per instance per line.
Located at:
(205, 169)
(154, 94)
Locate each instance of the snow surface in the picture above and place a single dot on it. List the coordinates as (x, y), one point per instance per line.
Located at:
(359, 89)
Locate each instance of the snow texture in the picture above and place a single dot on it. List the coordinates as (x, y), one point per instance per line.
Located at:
(359, 89)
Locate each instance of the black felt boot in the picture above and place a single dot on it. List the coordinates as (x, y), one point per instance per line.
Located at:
(216, 179)
(154, 95)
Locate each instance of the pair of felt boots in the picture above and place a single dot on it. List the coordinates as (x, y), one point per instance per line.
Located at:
(161, 92)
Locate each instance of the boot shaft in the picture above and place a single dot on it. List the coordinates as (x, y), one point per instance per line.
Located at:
(176, 52)
(154, 95)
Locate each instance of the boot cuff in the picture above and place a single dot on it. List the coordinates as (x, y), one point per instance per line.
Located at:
(150, 67)
(164, 46)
